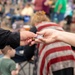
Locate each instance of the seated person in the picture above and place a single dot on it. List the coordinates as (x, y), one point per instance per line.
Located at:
(17, 13)
(28, 10)
(8, 9)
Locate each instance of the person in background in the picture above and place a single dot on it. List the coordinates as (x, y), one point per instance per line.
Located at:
(8, 7)
(46, 7)
(25, 1)
(68, 13)
(53, 56)
(60, 9)
(28, 10)
(37, 5)
(52, 3)
(2, 9)
(72, 27)
(17, 14)
(14, 2)
(7, 65)
(72, 30)
(73, 6)
(43, 5)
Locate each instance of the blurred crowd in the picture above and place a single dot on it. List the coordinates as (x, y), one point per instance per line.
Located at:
(20, 12)
(17, 13)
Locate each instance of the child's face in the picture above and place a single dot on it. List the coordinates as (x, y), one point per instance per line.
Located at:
(12, 52)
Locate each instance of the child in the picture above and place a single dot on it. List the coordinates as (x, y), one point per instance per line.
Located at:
(1, 55)
(8, 66)
(56, 58)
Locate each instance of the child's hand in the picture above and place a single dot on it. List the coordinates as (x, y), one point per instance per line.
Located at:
(17, 66)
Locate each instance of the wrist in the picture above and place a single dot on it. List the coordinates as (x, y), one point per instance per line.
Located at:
(17, 72)
(59, 35)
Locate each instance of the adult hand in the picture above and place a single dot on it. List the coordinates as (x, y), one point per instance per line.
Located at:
(49, 36)
(26, 37)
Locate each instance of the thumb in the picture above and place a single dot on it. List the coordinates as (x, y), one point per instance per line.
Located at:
(41, 33)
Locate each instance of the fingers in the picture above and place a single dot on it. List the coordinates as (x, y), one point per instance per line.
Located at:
(32, 35)
(41, 40)
(25, 42)
(29, 34)
(32, 43)
(41, 32)
(27, 37)
(36, 41)
(24, 35)
(45, 31)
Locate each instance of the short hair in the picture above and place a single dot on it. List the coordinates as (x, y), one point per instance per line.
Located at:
(5, 49)
(39, 17)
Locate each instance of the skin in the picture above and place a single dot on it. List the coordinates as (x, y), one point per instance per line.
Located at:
(8, 55)
(27, 38)
(59, 8)
(51, 35)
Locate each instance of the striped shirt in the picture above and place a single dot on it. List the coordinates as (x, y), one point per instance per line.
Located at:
(56, 58)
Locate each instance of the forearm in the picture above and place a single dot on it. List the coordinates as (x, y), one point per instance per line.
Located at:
(59, 8)
(13, 39)
(67, 37)
(9, 38)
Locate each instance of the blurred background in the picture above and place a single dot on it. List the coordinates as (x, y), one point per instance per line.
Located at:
(14, 14)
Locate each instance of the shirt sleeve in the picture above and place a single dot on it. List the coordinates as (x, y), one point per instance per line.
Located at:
(12, 66)
(14, 40)
(9, 38)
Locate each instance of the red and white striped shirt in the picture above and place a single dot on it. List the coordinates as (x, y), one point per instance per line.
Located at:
(54, 56)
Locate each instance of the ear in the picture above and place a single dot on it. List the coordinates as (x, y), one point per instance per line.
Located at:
(9, 51)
